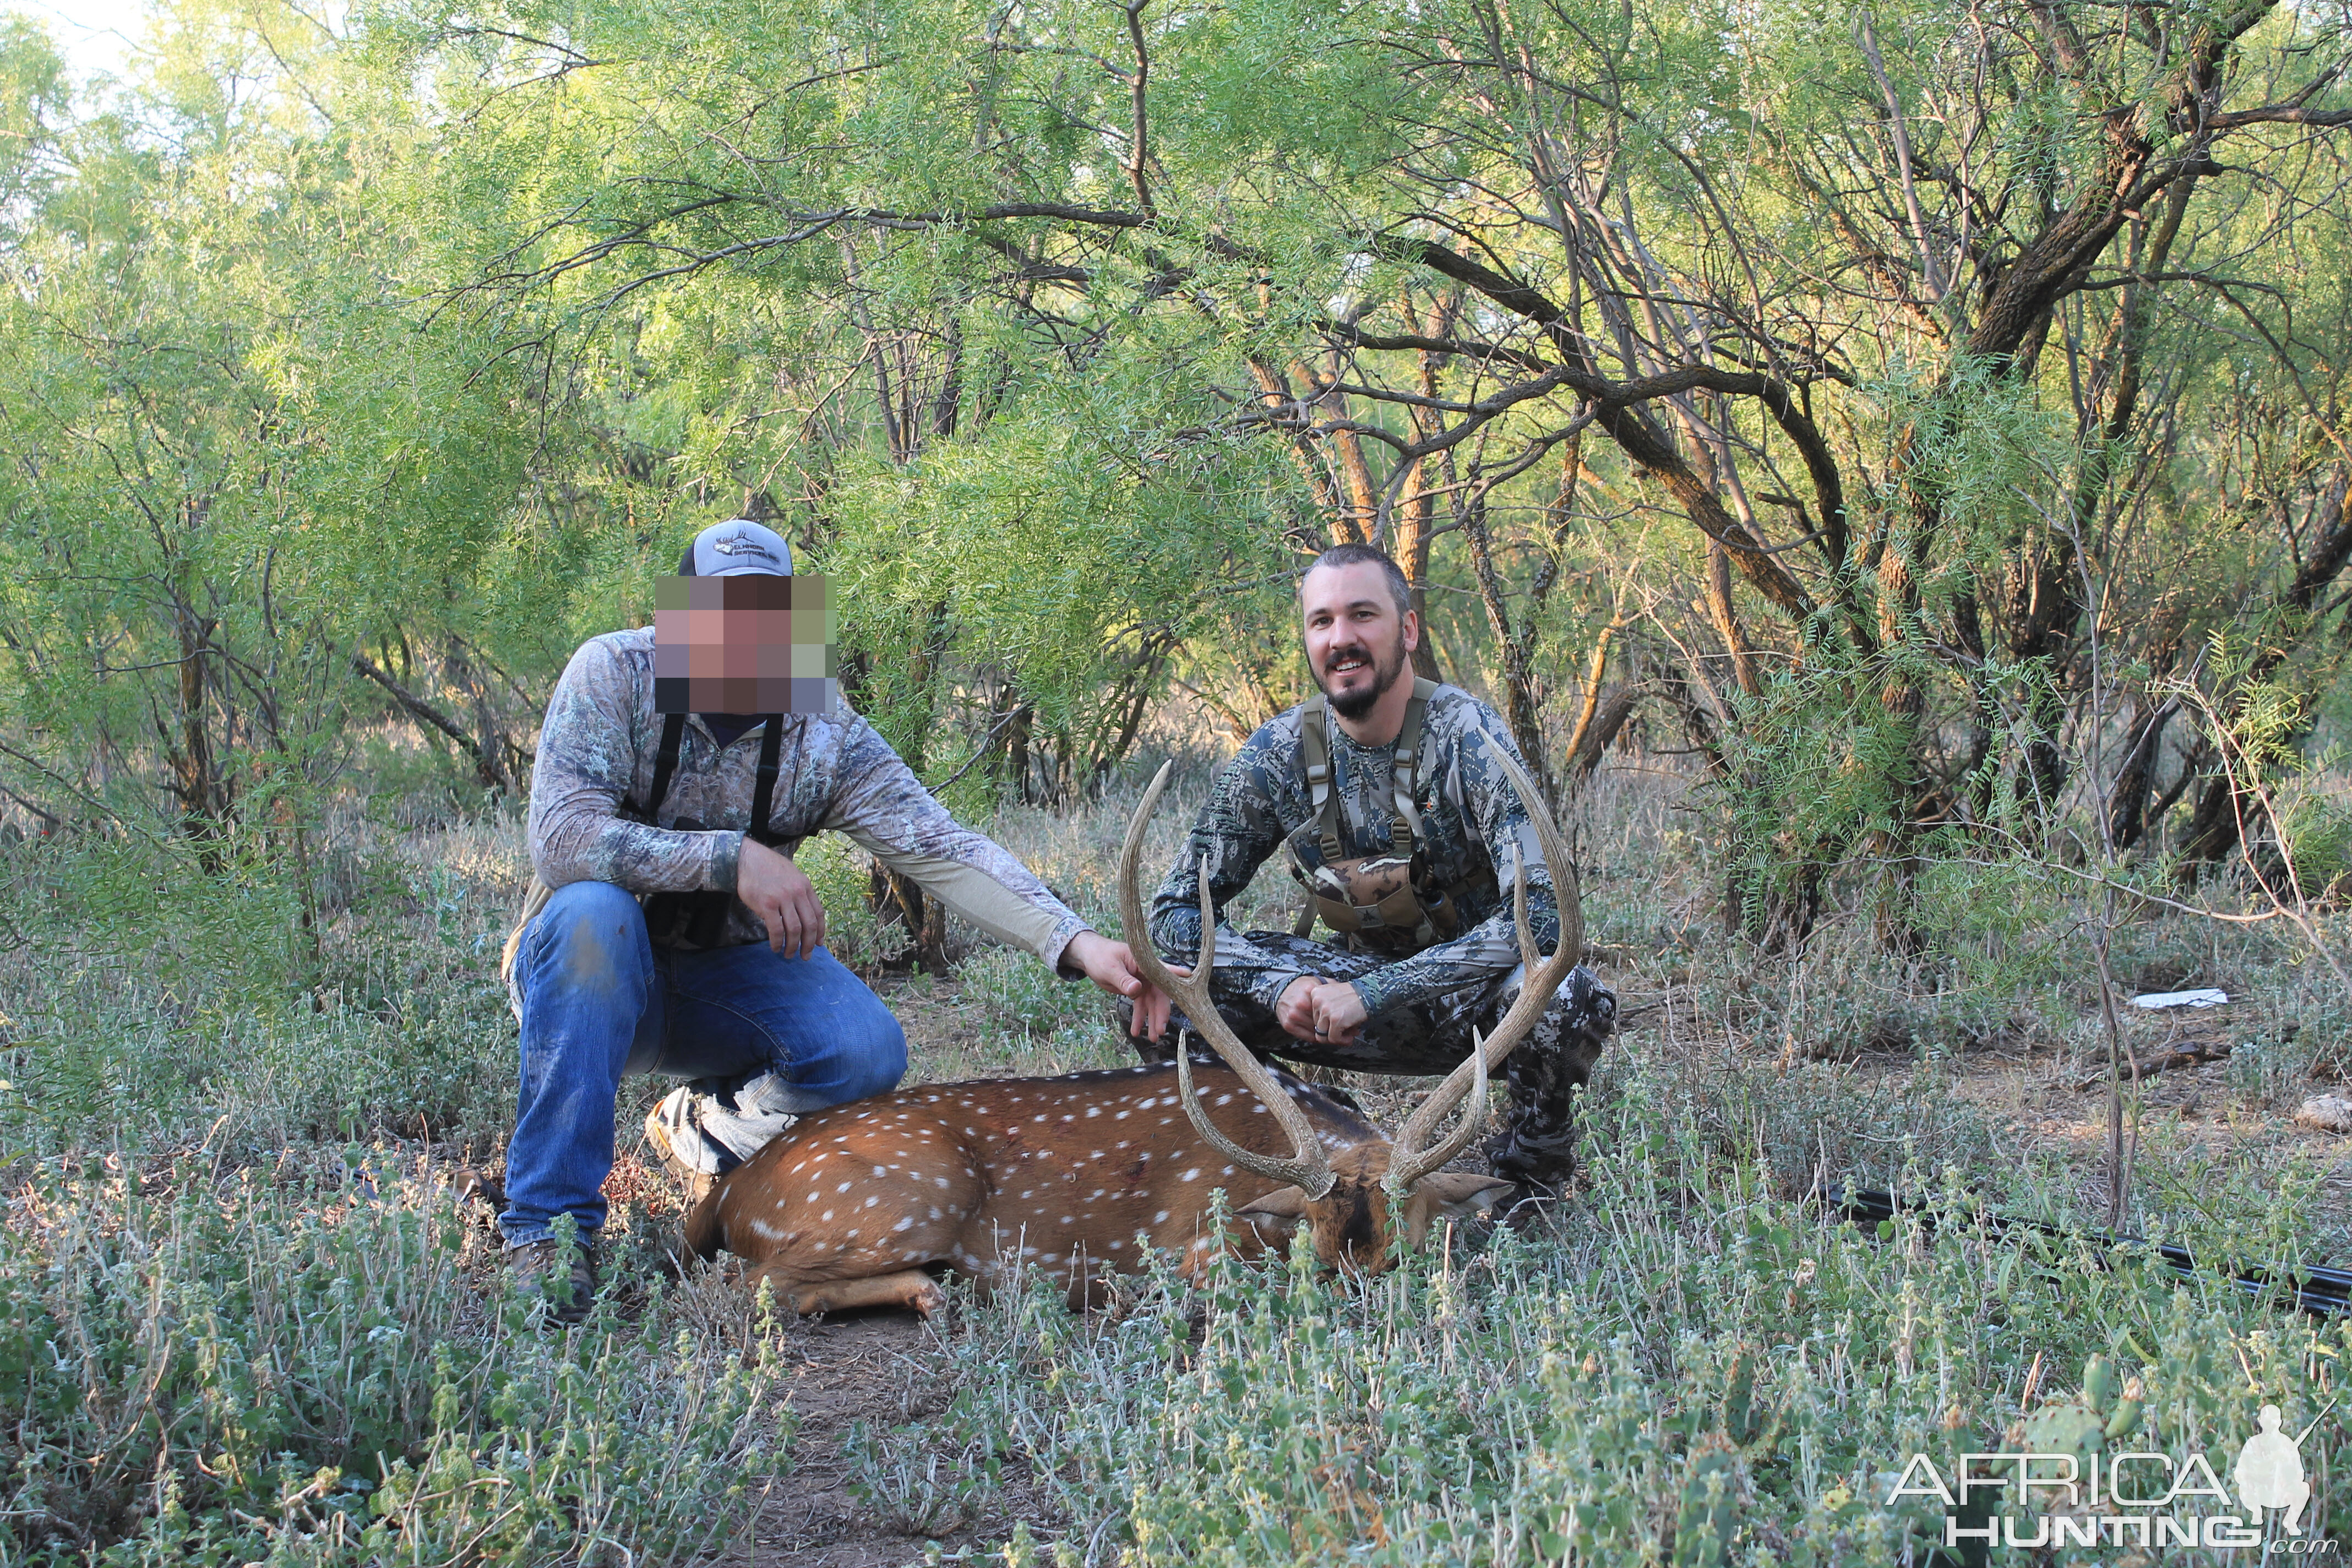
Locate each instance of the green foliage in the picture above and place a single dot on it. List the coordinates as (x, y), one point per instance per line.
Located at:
(927, 1479)
(851, 932)
(1697, 1373)
(2315, 825)
(146, 1012)
(35, 103)
(209, 1371)
(1046, 544)
(1817, 769)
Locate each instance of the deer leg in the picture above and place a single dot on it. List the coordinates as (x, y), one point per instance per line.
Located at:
(910, 1288)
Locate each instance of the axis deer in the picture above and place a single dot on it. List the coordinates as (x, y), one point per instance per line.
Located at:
(1080, 1175)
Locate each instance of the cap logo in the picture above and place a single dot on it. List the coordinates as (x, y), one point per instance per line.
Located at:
(743, 544)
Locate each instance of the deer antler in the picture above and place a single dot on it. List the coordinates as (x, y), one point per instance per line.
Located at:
(1409, 1160)
(1310, 1169)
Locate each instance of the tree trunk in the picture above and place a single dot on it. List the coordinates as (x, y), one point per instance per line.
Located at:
(2222, 809)
(1607, 718)
(897, 901)
(196, 771)
(1521, 708)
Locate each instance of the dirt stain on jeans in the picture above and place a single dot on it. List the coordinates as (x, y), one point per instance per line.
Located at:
(588, 959)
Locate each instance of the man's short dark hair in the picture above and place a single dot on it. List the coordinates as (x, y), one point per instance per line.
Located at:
(1356, 554)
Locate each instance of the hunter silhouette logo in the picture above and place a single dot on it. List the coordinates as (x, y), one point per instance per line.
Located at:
(2080, 1494)
(2270, 1472)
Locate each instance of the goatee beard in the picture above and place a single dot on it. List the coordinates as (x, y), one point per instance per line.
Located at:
(1355, 705)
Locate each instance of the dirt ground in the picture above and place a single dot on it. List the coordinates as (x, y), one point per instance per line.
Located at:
(872, 1367)
(863, 1367)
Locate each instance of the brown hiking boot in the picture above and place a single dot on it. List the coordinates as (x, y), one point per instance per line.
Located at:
(567, 1285)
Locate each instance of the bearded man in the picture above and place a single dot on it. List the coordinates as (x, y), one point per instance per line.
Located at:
(1403, 833)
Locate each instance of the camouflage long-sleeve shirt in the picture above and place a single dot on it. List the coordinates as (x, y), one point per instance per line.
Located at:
(598, 748)
(1471, 819)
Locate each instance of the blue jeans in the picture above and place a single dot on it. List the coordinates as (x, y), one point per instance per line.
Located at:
(598, 1000)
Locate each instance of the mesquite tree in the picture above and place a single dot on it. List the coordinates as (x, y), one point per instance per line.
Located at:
(1932, 413)
(1828, 374)
(232, 477)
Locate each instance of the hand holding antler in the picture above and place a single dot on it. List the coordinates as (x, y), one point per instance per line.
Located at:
(1111, 966)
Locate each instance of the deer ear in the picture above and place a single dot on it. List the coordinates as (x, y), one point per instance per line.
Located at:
(1276, 1217)
(1459, 1195)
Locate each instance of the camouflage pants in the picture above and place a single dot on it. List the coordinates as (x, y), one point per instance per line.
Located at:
(1538, 1143)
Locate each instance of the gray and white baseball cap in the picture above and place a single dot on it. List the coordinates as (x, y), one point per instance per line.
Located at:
(733, 548)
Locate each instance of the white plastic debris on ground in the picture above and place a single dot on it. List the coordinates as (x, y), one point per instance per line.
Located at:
(2156, 1001)
(2326, 1113)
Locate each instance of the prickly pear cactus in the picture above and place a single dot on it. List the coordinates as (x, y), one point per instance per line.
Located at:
(1710, 1511)
(1742, 1422)
(2084, 1425)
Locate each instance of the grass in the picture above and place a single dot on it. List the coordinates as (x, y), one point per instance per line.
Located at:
(241, 1319)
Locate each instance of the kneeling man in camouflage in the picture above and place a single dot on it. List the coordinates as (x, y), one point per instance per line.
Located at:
(668, 930)
(1382, 793)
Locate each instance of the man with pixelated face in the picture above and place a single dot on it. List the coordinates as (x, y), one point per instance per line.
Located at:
(668, 930)
(745, 643)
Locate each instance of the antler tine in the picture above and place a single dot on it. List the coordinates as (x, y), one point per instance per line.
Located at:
(1311, 1173)
(1528, 953)
(1410, 1160)
(1416, 1161)
(1309, 1169)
